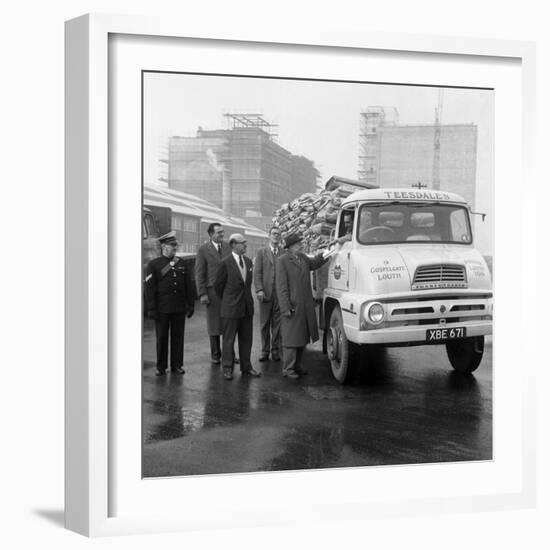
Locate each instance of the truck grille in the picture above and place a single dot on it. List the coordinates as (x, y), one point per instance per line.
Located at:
(439, 276)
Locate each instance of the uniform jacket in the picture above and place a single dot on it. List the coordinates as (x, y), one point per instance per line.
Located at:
(264, 272)
(206, 265)
(293, 284)
(172, 292)
(234, 292)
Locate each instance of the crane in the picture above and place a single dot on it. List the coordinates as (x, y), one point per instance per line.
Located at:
(437, 140)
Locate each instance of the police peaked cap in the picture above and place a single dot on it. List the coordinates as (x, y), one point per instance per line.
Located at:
(168, 238)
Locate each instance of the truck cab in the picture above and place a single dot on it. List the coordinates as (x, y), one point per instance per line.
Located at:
(405, 273)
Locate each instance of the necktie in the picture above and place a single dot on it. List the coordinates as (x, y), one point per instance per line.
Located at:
(219, 249)
(241, 262)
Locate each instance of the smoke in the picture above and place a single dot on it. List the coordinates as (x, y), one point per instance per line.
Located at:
(213, 160)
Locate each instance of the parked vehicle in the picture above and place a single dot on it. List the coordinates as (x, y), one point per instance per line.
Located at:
(156, 222)
(409, 276)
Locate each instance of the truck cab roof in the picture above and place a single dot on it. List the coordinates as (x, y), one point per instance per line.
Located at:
(402, 194)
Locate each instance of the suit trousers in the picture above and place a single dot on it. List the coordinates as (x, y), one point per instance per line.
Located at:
(213, 317)
(170, 326)
(292, 359)
(242, 328)
(270, 326)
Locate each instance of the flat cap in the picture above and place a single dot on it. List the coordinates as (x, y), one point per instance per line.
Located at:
(293, 238)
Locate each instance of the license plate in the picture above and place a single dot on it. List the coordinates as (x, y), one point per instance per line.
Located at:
(436, 335)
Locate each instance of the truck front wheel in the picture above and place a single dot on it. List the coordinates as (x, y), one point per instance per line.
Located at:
(465, 355)
(340, 350)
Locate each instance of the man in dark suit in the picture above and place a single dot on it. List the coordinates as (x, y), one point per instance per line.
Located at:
(208, 260)
(169, 298)
(264, 283)
(298, 319)
(233, 282)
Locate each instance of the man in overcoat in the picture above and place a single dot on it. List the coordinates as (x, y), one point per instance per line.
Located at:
(298, 319)
(208, 260)
(264, 283)
(169, 299)
(233, 286)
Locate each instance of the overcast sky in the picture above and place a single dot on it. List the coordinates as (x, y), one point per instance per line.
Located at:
(319, 120)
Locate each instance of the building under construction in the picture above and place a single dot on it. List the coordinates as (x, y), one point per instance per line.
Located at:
(241, 169)
(435, 156)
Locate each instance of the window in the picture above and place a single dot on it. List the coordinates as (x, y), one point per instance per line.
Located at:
(346, 223)
(460, 226)
(422, 219)
(413, 222)
(149, 226)
(176, 222)
(190, 225)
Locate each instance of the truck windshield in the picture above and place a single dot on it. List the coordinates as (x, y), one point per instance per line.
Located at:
(413, 222)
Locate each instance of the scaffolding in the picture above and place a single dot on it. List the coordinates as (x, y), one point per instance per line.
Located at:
(251, 120)
(370, 120)
(241, 168)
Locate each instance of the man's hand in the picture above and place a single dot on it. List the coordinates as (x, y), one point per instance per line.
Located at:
(152, 314)
(190, 311)
(261, 295)
(205, 300)
(288, 313)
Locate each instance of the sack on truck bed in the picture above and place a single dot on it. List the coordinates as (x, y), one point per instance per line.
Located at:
(314, 215)
(322, 228)
(331, 217)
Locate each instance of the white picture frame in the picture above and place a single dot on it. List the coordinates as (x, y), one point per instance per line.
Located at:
(92, 231)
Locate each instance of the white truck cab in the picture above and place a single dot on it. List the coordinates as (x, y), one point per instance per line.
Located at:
(407, 273)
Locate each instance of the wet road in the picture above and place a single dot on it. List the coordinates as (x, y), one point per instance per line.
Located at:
(408, 407)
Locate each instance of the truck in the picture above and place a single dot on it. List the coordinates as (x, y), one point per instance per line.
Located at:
(410, 275)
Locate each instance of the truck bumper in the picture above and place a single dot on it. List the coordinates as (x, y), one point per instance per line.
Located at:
(414, 334)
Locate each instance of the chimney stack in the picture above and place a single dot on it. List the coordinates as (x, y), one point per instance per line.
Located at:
(226, 192)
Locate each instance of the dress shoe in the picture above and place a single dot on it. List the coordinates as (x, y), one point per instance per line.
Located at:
(275, 357)
(228, 373)
(251, 372)
(264, 358)
(160, 372)
(293, 375)
(178, 370)
(215, 360)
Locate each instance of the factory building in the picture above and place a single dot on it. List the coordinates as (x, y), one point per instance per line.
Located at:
(437, 156)
(241, 169)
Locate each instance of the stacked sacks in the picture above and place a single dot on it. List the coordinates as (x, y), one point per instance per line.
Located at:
(313, 215)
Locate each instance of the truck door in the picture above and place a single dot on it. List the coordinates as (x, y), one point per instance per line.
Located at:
(340, 265)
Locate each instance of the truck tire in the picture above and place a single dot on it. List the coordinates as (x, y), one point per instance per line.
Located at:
(340, 351)
(465, 355)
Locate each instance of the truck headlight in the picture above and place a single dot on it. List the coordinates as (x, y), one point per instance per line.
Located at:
(375, 313)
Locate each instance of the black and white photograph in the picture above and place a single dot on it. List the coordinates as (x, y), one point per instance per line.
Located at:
(317, 274)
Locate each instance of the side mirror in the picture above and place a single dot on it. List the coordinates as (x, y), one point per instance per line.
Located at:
(482, 214)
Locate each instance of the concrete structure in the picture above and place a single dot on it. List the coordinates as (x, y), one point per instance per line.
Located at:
(242, 170)
(393, 155)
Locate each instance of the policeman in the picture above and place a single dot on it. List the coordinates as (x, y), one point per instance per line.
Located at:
(169, 298)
